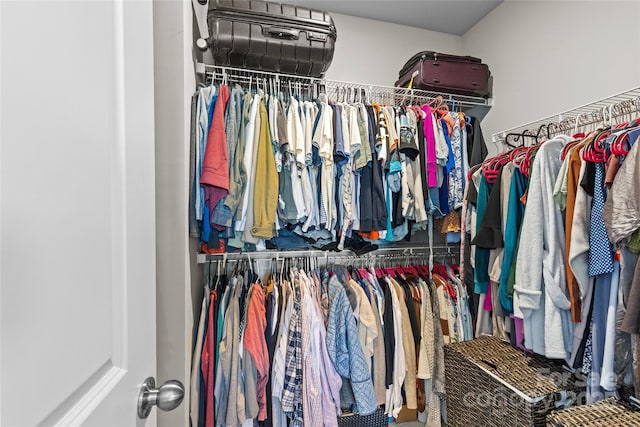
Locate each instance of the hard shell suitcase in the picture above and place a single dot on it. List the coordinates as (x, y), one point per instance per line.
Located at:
(440, 72)
(270, 36)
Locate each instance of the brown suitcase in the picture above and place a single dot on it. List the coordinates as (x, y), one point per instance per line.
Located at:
(440, 72)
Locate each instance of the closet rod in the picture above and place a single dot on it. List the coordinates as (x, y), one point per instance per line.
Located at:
(388, 91)
(587, 114)
(378, 253)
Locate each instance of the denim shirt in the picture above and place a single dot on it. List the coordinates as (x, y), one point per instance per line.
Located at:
(206, 102)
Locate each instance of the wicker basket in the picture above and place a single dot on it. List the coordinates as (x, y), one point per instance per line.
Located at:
(377, 419)
(488, 382)
(609, 412)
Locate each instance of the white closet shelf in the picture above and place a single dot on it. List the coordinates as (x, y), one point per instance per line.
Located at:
(382, 253)
(383, 94)
(594, 112)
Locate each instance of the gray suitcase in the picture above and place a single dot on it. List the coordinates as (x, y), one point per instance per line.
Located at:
(270, 36)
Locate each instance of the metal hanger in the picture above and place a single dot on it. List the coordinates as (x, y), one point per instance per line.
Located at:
(513, 139)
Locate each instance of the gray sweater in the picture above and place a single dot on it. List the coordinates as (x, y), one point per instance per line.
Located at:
(540, 295)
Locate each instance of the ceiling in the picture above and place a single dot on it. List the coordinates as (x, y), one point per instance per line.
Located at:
(446, 16)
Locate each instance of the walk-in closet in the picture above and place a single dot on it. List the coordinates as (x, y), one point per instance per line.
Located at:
(255, 213)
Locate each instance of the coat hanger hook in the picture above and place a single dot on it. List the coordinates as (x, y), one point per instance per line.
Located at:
(577, 124)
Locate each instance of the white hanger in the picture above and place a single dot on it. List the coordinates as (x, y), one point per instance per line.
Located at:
(224, 76)
(594, 120)
(217, 274)
(611, 108)
(626, 111)
(606, 121)
(577, 125)
(224, 262)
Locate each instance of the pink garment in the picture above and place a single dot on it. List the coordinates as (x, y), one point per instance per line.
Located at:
(212, 196)
(487, 300)
(519, 326)
(256, 345)
(430, 136)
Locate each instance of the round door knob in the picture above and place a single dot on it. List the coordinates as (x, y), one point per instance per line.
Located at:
(202, 44)
(167, 397)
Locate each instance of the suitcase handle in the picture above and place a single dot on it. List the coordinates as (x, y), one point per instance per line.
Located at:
(319, 37)
(281, 33)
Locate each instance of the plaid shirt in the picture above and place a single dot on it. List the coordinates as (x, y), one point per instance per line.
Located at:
(292, 392)
(311, 394)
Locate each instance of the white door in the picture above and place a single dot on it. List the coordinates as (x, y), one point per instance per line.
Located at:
(77, 253)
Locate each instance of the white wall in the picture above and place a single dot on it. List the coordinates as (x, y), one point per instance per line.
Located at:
(373, 52)
(174, 84)
(551, 56)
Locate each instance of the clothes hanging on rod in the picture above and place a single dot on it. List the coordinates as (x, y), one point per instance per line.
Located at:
(277, 169)
(312, 343)
(554, 228)
(340, 90)
(568, 121)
